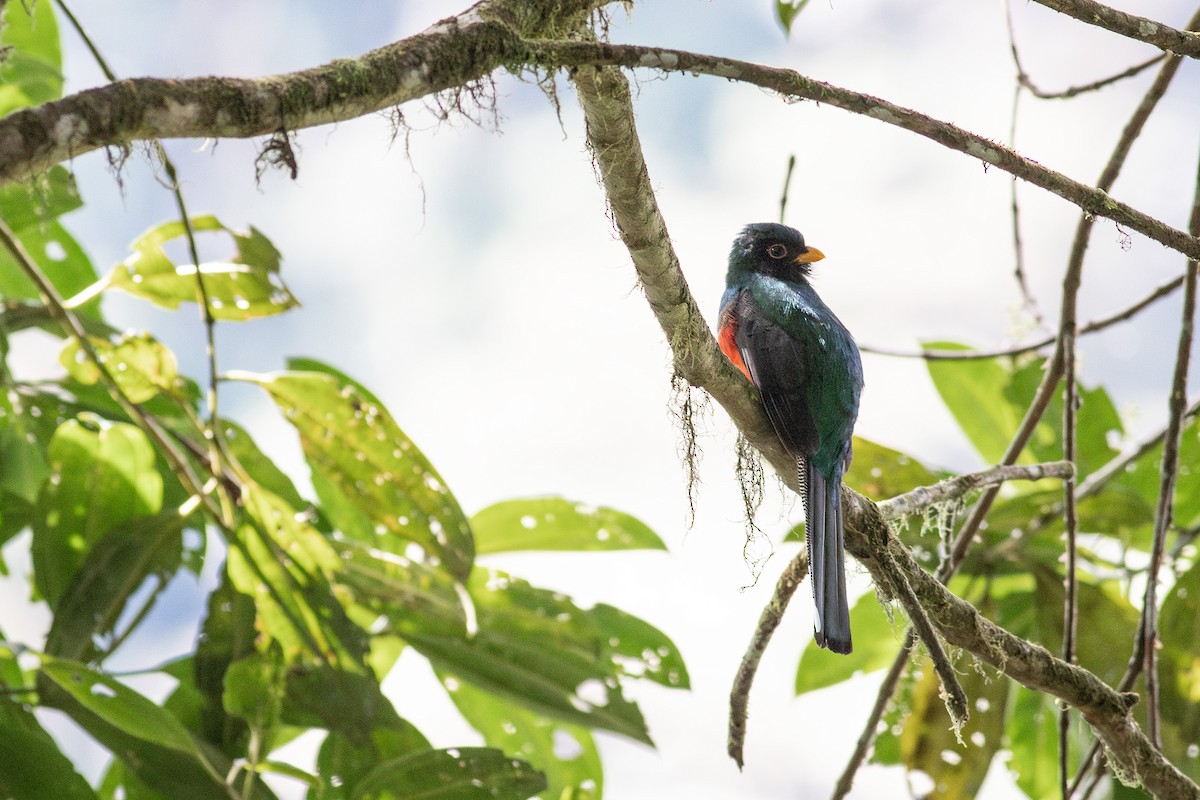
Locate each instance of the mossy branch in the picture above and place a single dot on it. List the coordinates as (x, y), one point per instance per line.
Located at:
(604, 95)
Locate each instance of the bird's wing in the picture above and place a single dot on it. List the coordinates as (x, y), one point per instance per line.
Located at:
(779, 366)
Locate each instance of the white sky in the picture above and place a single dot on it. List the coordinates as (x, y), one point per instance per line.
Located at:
(480, 291)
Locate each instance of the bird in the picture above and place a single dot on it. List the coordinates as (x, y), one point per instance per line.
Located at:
(780, 334)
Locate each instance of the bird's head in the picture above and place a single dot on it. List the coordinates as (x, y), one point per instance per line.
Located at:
(771, 249)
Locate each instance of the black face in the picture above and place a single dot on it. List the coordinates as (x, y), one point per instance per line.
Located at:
(772, 249)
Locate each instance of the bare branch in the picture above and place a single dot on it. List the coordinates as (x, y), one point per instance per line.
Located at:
(1093, 201)
(1091, 327)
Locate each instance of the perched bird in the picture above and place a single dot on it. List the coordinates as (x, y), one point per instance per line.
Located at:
(779, 333)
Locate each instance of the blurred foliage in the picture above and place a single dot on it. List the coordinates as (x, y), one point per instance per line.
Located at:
(315, 597)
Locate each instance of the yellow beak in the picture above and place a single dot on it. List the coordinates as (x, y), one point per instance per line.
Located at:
(809, 256)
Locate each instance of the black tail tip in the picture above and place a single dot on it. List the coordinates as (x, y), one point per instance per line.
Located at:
(836, 644)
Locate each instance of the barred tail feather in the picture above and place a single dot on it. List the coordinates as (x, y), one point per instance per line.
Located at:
(826, 559)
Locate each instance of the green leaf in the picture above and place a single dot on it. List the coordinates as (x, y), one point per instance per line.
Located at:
(45, 197)
(554, 523)
(877, 641)
(464, 773)
(640, 649)
(536, 648)
(110, 574)
(23, 466)
(122, 707)
(139, 363)
(567, 754)
(33, 767)
(930, 745)
(342, 760)
(786, 12)
(1032, 738)
(975, 393)
(102, 475)
(880, 472)
(32, 72)
(358, 448)
(254, 691)
(288, 568)
(226, 635)
(246, 286)
(1179, 672)
(60, 257)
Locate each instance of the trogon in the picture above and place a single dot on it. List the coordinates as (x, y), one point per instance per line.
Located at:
(778, 332)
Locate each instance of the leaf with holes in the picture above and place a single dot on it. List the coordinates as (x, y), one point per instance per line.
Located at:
(1179, 668)
(245, 286)
(554, 523)
(122, 707)
(354, 443)
(139, 363)
(102, 475)
(465, 773)
(288, 567)
(59, 256)
(566, 753)
(639, 649)
(43, 198)
(537, 648)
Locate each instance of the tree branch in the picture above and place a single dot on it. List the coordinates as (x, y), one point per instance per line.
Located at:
(922, 497)
(1093, 201)
(1180, 43)
(604, 95)
(446, 56)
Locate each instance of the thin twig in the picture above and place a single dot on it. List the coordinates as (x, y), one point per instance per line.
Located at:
(1091, 327)
(1073, 91)
(1028, 299)
(1163, 512)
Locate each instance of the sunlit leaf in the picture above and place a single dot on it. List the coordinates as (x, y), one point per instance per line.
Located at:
(640, 649)
(537, 648)
(33, 767)
(881, 472)
(565, 753)
(245, 286)
(464, 773)
(877, 641)
(360, 450)
(139, 363)
(32, 72)
(112, 570)
(287, 566)
(23, 466)
(975, 393)
(102, 475)
(60, 258)
(554, 523)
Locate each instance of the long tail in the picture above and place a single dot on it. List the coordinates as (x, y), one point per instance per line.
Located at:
(826, 559)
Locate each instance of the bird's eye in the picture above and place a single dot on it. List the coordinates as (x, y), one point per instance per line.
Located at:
(777, 251)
